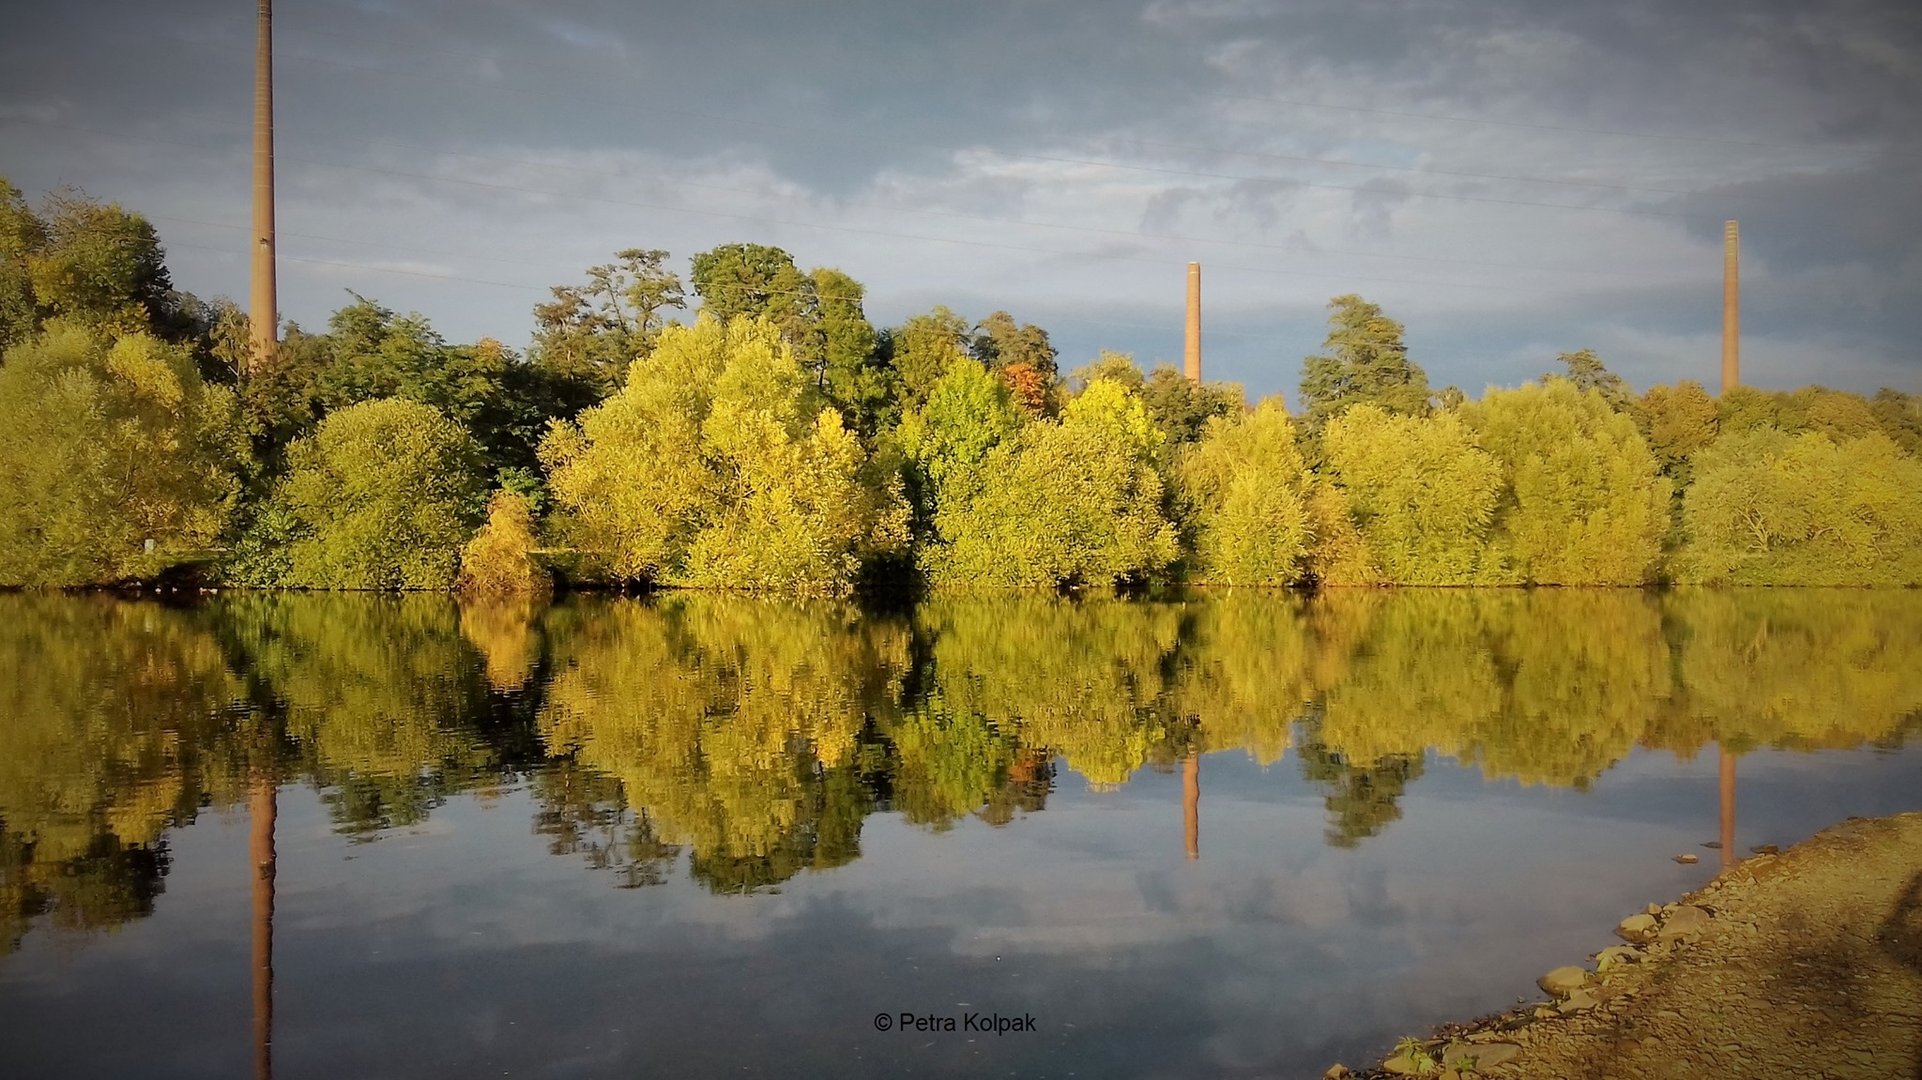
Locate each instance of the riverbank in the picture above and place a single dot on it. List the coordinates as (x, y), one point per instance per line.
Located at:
(1805, 963)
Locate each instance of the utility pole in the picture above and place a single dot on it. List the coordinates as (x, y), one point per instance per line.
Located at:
(263, 311)
(1731, 307)
(1192, 355)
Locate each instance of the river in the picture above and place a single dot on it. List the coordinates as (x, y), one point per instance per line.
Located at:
(1229, 834)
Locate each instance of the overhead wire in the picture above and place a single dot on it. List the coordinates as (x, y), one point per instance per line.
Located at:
(1057, 159)
(763, 218)
(1572, 129)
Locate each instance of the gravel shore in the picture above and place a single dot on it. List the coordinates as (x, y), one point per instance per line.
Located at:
(1806, 963)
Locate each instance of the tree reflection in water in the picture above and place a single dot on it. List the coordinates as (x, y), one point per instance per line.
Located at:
(745, 742)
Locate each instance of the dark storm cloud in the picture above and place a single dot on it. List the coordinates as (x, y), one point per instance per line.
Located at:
(1811, 220)
(507, 143)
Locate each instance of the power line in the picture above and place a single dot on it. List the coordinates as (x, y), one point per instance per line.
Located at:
(764, 219)
(1029, 223)
(1055, 158)
(1306, 104)
(523, 287)
(789, 125)
(1564, 128)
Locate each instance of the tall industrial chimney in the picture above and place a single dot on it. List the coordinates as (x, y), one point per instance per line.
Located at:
(1731, 308)
(263, 313)
(1191, 358)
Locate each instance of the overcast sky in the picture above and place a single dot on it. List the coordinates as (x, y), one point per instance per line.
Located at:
(1510, 179)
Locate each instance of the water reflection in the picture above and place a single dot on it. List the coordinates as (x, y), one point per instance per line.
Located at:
(743, 743)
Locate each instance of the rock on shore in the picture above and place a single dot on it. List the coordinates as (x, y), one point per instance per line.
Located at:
(1806, 963)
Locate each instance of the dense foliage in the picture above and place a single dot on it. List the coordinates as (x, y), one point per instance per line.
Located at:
(1246, 494)
(1584, 501)
(781, 441)
(115, 457)
(719, 465)
(382, 495)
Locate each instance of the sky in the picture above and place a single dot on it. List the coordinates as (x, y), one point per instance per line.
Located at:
(1510, 179)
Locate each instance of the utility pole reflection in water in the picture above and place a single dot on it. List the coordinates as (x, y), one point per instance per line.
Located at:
(1191, 802)
(262, 809)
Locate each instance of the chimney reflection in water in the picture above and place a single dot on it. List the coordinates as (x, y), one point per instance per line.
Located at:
(1191, 802)
(263, 807)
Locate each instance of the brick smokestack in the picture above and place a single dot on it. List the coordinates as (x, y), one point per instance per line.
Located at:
(1191, 356)
(263, 312)
(1731, 308)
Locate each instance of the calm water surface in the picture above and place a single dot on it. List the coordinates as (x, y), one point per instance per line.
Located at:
(1240, 835)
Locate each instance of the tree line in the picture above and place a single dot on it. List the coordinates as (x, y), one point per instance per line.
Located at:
(781, 442)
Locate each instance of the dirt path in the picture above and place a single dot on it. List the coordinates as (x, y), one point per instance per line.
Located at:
(1803, 964)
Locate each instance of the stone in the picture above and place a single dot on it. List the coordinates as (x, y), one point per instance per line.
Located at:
(1335, 1072)
(1766, 849)
(1579, 1001)
(1562, 981)
(1405, 1064)
(1686, 859)
(1486, 1056)
(1636, 927)
(1616, 955)
(1684, 921)
(1715, 845)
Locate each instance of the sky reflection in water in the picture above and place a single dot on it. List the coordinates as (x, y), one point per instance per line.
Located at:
(1242, 834)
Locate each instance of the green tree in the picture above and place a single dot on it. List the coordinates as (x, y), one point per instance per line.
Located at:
(967, 414)
(382, 495)
(1835, 413)
(372, 353)
(22, 236)
(1074, 502)
(1770, 508)
(1181, 407)
(1746, 408)
(998, 341)
(281, 398)
(1244, 489)
(1681, 420)
(1900, 416)
(587, 335)
(1421, 492)
(500, 557)
(856, 376)
(103, 266)
(1363, 362)
(107, 443)
(1023, 357)
(758, 281)
(923, 349)
(1584, 502)
(1587, 372)
(1114, 366)
(719, 465)
(1339, 553)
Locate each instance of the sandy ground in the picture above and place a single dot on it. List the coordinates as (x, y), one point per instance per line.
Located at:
(1802, 964)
